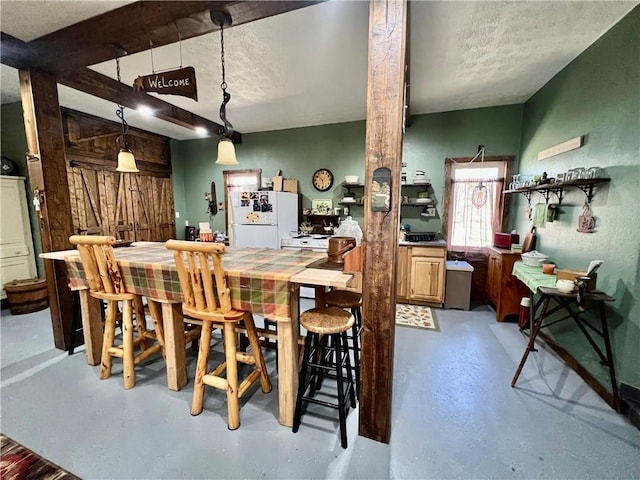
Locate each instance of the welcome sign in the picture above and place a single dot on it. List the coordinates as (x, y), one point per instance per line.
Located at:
(174, 82)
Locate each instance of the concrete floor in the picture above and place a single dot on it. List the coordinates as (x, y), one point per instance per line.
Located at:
(454, 415)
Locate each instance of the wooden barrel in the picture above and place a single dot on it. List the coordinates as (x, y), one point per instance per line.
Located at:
(26, 296)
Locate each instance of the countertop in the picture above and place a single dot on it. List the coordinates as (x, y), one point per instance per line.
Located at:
(433, 243)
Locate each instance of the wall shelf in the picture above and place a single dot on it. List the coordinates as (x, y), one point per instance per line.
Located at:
(558, 189)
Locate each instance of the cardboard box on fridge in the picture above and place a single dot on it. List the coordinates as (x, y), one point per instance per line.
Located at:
(281, 184)
(571, 274)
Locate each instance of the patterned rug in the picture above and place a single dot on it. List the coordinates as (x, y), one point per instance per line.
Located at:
(19, 463)
(417, 316)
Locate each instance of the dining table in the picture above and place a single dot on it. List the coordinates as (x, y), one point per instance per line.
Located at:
(261, 280)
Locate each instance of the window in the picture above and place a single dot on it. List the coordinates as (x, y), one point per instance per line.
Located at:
(474, 206)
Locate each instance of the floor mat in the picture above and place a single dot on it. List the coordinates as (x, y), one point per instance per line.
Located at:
(17, 462)
(417, 316)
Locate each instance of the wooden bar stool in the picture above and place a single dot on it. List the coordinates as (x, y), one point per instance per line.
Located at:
(106, 283)
(208, 300)
(352, 301)
(333, 323)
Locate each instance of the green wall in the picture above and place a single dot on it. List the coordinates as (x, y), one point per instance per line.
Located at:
(598, 96)
(340, 147)
(14, 147)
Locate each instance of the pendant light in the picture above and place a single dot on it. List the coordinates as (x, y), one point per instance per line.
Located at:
(479, 194)
(226, 149)
(126, 160)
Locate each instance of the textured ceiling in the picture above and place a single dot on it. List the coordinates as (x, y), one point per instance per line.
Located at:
(309, 67)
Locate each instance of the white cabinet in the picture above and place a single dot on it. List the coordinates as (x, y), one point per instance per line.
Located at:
(17, 260)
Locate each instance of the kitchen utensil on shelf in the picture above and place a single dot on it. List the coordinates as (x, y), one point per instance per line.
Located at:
(351, 179)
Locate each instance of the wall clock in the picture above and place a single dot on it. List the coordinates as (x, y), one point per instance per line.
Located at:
(322, 179)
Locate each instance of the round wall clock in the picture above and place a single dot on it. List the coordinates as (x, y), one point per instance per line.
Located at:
(322, 179)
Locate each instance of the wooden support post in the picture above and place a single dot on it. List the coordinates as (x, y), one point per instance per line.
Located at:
(48, 176)
(387, 43)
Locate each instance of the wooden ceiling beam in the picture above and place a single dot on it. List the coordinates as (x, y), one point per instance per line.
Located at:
(135, 26)
(101, 86)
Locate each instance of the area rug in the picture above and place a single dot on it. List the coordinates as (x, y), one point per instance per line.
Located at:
(417, 316)
(17, 462)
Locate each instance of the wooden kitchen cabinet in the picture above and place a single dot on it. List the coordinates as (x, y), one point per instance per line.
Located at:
(503, 290)
(402, 275)
(421, 275)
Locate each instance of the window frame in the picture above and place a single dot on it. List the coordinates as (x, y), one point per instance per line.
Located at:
(503, 200)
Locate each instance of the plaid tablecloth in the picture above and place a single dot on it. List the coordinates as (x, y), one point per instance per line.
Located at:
(258, 278)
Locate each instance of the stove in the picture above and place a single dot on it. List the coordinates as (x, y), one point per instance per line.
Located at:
(315, 243)
(420, 236)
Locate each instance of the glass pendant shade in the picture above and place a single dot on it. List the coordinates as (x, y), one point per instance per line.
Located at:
(479, 195)
(226, 152)
(126, 161)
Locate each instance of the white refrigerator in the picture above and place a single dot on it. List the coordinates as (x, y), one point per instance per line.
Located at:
(262, 218)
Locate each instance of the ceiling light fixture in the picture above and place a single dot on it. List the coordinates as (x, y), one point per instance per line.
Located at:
(126, 160)
(226, 150)
(479, 194)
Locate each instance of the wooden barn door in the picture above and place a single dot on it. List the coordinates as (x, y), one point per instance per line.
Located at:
(128, 206)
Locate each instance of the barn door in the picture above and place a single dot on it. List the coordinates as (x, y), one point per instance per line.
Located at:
(128, 206)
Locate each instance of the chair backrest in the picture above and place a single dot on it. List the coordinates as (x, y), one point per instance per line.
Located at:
(99, 263)
(203, 289)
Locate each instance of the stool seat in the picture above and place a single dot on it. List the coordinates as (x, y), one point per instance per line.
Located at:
(343, 299)
(326, 320)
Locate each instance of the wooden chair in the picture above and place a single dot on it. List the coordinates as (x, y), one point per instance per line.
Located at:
(106, 283)
(206, 297)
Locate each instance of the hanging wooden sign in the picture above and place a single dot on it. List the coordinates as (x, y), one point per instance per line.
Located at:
(174, 82)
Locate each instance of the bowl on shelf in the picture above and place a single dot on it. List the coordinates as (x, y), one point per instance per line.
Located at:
(351, 179)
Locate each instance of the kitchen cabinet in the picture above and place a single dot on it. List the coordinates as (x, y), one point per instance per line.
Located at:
(421, 275)
(17, 259)
(503, 290)
(402, 276)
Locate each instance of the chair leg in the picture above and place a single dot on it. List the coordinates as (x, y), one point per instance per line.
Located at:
(233, 407)
(302, 381)
(201, 368)
(127, 345)
(256, 350)
(109, 334)
(338, 340)
(141, 322)
(356, 357)
(156, 316)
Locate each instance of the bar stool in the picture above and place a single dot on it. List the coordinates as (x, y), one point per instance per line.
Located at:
(105, 283)
(352, 301)
(332, 323)
(206, 298)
